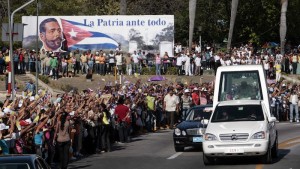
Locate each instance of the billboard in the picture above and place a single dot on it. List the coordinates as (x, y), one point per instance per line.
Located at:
(109, 32)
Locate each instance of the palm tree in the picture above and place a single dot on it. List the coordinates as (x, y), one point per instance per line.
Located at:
(283, 28)
(234, 5)
(123, 7)
(192, 13)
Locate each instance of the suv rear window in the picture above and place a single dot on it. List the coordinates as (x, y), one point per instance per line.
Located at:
(238, 113)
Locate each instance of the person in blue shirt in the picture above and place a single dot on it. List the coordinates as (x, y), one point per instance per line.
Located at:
(38, 137)
(30, 88)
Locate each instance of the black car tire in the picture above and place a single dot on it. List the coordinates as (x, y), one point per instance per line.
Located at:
(179, 148)
(208, 160)
(267, 158)
(274, 150)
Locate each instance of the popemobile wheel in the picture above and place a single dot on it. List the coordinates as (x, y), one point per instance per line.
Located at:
(267, 158)
(275, 149)
(179, 149)
(207, 160)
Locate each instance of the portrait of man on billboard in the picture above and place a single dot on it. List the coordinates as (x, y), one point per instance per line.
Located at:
(51, 35)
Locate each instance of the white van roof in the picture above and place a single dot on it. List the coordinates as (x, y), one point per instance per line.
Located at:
(239, 102)
(239, 68)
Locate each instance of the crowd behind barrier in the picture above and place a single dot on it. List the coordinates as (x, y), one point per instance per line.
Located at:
(192, 63)
(77, 123)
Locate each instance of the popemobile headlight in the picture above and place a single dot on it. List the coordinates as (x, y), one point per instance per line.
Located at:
(210, 137)
(177, 132)
(259, 135)
(183, 133)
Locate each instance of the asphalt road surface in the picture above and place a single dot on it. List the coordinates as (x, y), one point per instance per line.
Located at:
(156, 151)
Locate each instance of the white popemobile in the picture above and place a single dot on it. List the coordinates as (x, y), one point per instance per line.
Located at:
(241, 123)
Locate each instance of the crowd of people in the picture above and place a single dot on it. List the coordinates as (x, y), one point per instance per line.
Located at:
(86, 122)
(77, 123)
(68, 64)
(191, 63)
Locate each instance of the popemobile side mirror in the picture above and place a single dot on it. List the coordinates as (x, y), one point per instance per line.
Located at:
(272, 119)
(204, 121)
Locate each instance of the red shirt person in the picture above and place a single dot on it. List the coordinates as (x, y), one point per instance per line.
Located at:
(123, 119)
(195, 96)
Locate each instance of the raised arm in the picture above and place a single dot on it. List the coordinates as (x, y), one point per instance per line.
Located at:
(41, 124)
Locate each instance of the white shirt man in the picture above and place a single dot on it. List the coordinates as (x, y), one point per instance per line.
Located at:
(177, 49)
(278, 57)
(222, 61)
(179, 60)
(198, 61)
(111, 57)
(233, 60)
(187, 65)
(119, 60)
(135, 57)
(266, 65)
(171, 104)
(217, 57)
(227, 62)
(198, 49)
(198, 65)
(294, 105)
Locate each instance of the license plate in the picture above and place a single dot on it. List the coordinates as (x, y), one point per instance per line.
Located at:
(234, 150)
(197, 139)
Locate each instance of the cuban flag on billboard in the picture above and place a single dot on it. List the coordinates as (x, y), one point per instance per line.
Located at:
(78, 35)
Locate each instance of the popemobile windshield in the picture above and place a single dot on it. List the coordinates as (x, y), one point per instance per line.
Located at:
(241, 82)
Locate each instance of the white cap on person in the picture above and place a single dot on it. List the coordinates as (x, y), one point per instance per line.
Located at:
(3, 127)
(186, 91)
(7, 110)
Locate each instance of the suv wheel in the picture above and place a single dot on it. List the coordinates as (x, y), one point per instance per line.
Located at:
(179, 149)
(208, 160)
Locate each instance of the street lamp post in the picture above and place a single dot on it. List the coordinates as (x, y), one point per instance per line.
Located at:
(11, 46)
(200, 40)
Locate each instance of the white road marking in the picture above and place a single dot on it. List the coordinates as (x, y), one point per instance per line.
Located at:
(175, 155)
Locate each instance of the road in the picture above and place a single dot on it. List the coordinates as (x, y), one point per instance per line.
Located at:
(156, 151)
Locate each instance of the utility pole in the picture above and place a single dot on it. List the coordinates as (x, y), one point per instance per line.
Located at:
(9, 64)
(37, 48)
